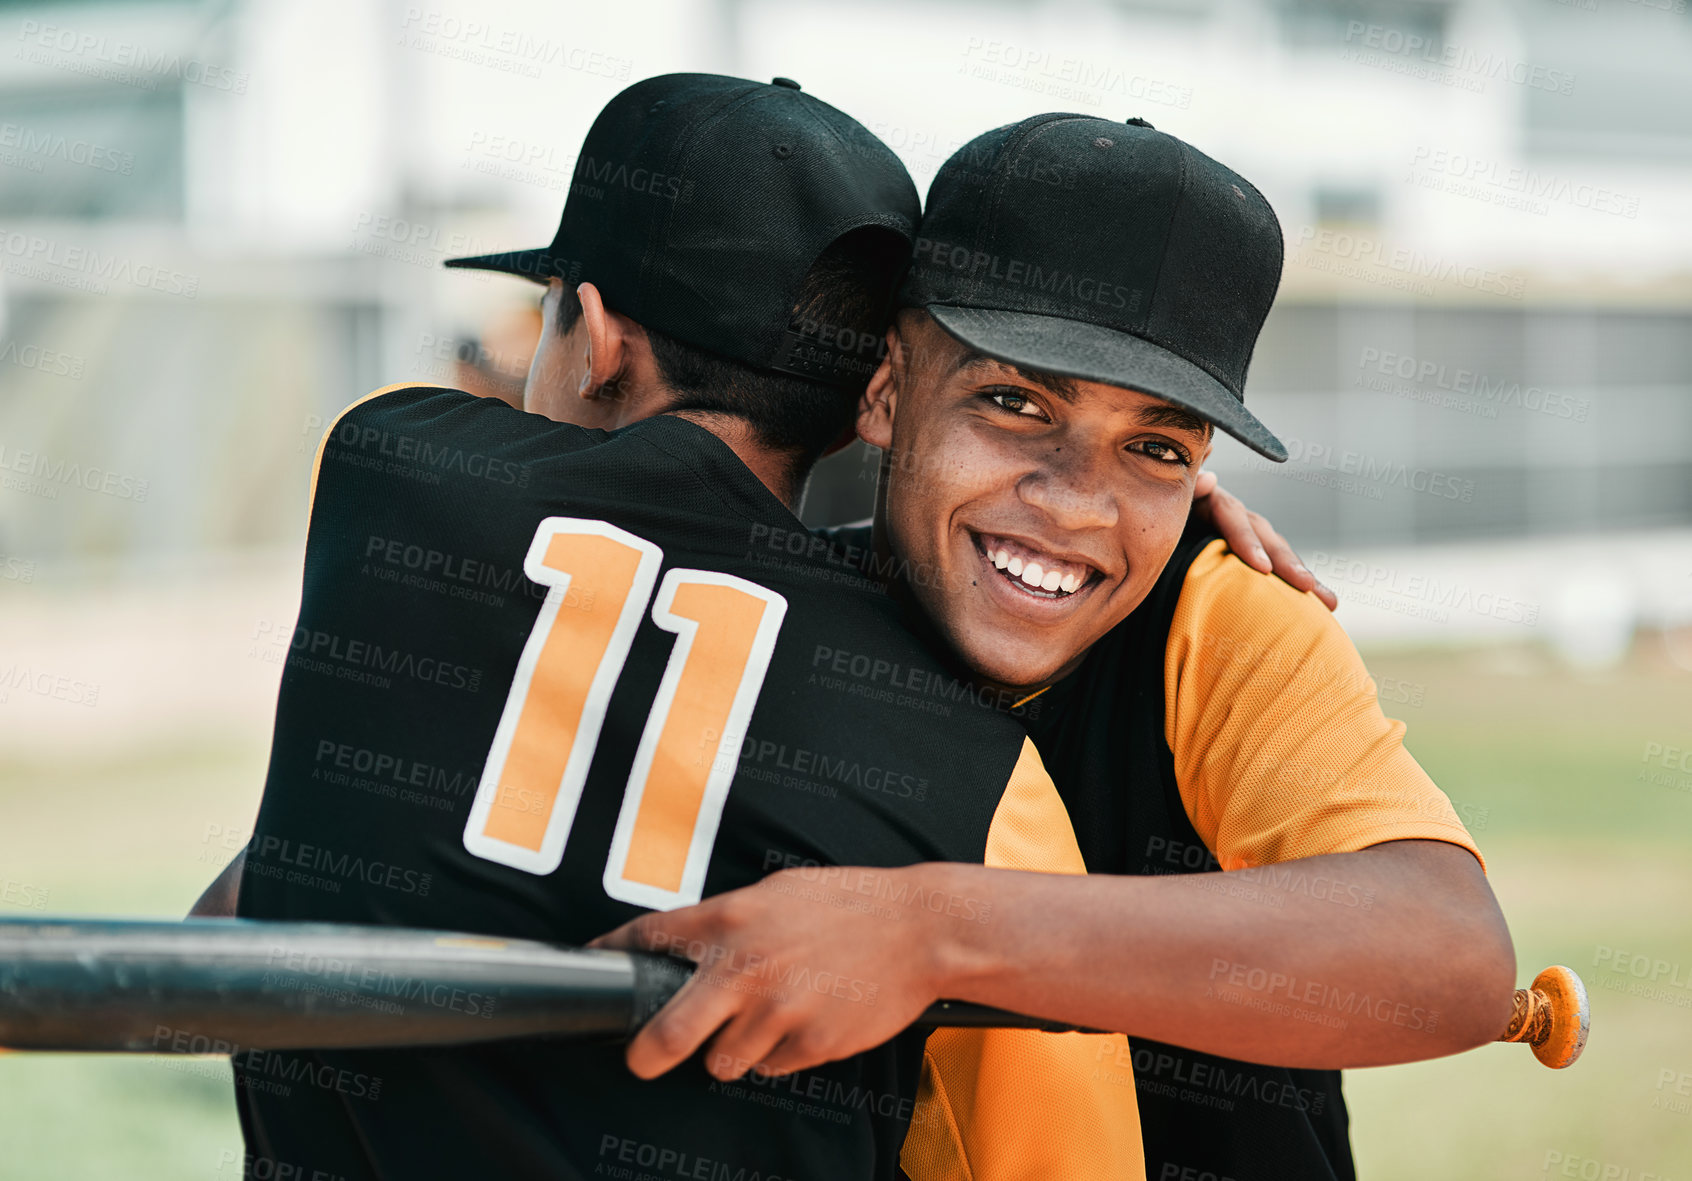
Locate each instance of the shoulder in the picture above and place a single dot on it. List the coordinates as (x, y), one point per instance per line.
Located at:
(1248, 639)
(1225, 603)
(431, 433)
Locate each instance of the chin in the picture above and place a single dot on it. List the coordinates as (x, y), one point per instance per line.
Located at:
(1002, 660)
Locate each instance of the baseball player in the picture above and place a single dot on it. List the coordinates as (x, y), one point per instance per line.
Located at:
(1084, 301)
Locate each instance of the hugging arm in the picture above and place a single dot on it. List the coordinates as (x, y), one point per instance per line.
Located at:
(218, 902)
(1426, 970)
(1253, 538)
(1357, 927)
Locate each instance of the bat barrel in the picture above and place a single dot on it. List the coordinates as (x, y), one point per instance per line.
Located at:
(218, 986)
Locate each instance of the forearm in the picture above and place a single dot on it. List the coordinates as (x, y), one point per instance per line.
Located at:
(1392, 954)
(221, 897)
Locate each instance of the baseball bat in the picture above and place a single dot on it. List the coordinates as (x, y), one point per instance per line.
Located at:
(220, 986)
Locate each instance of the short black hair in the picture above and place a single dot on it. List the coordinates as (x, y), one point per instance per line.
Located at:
(848, 289)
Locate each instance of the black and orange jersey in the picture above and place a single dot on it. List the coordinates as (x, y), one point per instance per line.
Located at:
(1227, 723)
(546, 678)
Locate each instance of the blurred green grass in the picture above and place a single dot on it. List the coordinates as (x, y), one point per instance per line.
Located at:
(1544, 761)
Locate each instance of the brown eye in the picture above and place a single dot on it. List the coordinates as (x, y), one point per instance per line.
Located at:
(1163, 452)
(1014, 402)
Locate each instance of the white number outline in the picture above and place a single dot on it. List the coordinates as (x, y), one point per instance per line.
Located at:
(715, 796)
(550, 855)
(546, 859)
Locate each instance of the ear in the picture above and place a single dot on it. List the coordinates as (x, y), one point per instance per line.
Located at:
(876, 406)
(607, 344)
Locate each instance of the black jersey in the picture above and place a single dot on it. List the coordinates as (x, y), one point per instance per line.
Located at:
(546, 678)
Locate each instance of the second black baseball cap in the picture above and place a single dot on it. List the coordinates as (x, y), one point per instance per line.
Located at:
(1106, 251)
(699, 204)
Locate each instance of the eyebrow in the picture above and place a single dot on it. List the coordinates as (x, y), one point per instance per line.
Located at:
(1174, 418)
(1160, 414)
(1053, 383)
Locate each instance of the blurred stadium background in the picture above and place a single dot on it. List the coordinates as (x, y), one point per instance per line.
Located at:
(222, 221)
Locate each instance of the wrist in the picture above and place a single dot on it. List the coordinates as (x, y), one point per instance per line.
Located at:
(953, 907)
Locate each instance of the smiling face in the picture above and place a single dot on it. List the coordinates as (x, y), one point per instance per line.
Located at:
(1034, 511)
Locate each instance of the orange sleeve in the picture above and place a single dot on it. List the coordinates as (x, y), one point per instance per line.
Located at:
(1281, 749)
(323, 443)
(1004, 1104)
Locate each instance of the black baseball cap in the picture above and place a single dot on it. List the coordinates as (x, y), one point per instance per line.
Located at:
(1106, 251)
(699, 204)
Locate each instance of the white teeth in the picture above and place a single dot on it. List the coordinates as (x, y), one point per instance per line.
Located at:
(1049, 579)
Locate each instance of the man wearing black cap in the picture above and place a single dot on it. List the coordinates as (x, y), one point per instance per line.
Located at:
(1080, 314)
(532, 729)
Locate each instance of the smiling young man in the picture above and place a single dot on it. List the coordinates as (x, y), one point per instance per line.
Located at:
(1075, 328)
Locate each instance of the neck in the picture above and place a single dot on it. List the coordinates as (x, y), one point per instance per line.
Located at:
(776, 470)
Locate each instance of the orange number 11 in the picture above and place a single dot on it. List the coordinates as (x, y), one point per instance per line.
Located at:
(599, 580)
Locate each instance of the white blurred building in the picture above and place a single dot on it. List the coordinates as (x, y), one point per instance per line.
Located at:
(221, 221)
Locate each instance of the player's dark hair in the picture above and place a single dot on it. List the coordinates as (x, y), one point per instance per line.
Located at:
(848, 290)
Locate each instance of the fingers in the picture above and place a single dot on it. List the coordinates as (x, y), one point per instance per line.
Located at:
(799, 1050)
(701, 1008)
(667, 931)
(627, 937)
(1286, 564)
(1230, 518)
(1204, 485)
(745, 1044)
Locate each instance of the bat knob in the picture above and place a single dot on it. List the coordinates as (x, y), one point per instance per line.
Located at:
(1552, 1017)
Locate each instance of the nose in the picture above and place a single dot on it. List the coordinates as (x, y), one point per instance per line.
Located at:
(1072, 494)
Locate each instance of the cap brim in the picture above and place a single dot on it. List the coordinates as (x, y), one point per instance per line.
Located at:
(1075, 349)
(539, 264)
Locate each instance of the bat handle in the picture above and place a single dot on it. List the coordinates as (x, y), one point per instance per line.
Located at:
(657, 978)
(1552, 1017)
